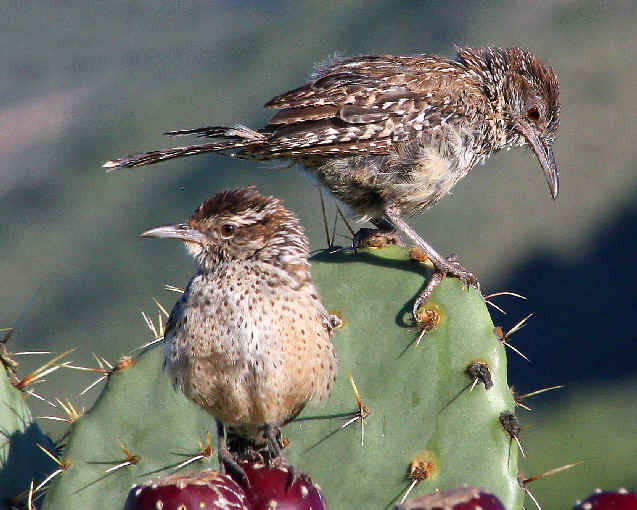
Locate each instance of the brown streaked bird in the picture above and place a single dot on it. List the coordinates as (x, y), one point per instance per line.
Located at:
(249, 340)
(391, 135)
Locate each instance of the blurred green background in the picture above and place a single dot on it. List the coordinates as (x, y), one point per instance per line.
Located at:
(82, 82)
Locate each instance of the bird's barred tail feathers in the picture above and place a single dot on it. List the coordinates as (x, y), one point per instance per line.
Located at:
(236, 137)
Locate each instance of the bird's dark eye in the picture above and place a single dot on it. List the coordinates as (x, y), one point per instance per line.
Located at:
(533, 114)
(228, 229)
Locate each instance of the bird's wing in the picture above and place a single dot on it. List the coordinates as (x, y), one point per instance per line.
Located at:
(360, 106)
(173, 333)
(352, 81)
(356, 106)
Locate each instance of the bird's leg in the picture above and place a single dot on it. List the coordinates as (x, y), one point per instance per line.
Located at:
(273, 440)
(384, 234)
(444, 265)
(226, 460)
(274, 443)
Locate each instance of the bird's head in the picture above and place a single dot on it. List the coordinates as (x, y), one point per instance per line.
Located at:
(525, 93)
(238, 225)
(532, 109)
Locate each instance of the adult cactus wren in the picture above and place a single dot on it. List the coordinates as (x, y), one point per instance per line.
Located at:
(391, 135)
(249, 340)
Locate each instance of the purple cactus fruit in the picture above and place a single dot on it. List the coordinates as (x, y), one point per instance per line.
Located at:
(277, 488)
(462, 498)
(201, 489)
(621, 499)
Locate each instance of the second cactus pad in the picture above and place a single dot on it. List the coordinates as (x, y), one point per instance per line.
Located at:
(425, 421)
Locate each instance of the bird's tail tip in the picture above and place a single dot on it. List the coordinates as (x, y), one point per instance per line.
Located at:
(111, 165)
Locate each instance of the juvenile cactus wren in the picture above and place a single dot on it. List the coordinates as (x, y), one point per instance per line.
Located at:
(249, 340)
(391, 135)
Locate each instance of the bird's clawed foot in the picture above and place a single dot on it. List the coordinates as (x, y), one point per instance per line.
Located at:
(228, 464)
(453, 267)
(376, 238)
(274, 442)
(449, 266)
(227, 461)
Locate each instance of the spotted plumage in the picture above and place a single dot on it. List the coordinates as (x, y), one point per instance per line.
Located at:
(249, 340)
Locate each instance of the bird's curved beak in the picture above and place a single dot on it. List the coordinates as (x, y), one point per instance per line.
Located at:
(181, 231)
(545, 156)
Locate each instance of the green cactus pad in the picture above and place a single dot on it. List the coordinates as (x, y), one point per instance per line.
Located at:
(21, 460)
(418, 395)
(137, 411)
(423, 415)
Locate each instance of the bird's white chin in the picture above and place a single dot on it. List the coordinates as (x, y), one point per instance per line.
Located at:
(195, 249)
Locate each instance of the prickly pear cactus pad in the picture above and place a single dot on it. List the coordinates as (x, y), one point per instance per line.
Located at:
(139, 428)
(423, 419)
(426, 424)
(21, 460)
